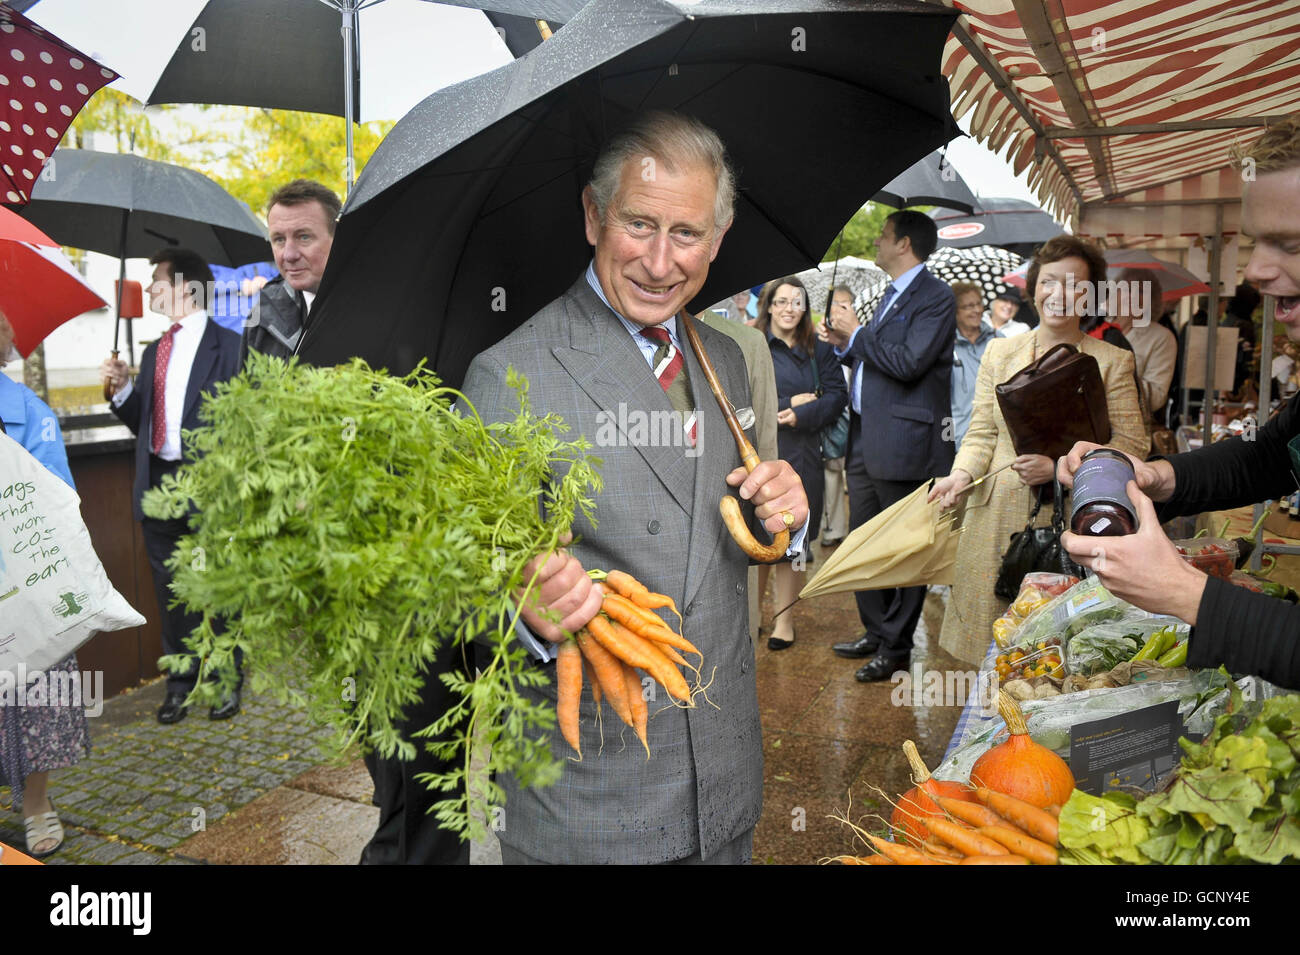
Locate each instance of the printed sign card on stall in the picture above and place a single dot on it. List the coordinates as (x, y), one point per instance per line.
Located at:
(54, 594)
(1133, 749)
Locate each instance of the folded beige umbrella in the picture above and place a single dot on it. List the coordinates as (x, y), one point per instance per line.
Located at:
(909, 544)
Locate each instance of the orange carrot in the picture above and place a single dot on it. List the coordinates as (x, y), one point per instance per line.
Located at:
(971, 813)
(596, 693)
(640, 712)
(861, 860)
(994, 860)
(1021, 844)
(965, 841)
(653, 662)
(608, 673)
(619, 641)
(1039, 824)
(637, 592)
(568, 684)
(1053, 810)
(904, 855)
(643, 622)
(938, 848)
(670, 653)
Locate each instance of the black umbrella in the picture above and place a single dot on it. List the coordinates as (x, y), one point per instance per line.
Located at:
(1012, 224)
(931, 182)
(467, 219)
(131, 207)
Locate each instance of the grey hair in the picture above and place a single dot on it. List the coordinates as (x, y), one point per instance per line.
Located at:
(673, 139)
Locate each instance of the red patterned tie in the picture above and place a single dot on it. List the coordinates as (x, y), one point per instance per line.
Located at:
(158, 431)
(670, 369)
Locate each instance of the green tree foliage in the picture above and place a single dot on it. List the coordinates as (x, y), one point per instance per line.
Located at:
(858, 237)
(860, 232)
(125, 119)
(250, 152)
(269, 147)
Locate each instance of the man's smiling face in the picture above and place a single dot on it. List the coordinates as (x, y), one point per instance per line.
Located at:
(1270, 214)
(657, 239)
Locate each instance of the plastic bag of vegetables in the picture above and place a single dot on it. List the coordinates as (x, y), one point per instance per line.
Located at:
(1084, 605)
(1104, 646)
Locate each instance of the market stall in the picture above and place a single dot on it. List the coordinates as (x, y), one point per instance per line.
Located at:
(1088, 741)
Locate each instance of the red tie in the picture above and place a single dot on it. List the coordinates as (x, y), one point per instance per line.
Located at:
(671, 371)
(158, 432)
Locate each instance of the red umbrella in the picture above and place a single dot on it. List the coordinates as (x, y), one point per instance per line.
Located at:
(39, 288)
(44, 83)
(1175, 281)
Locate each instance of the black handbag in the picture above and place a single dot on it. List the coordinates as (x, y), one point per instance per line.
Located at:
(835, 436)
(1036, 549)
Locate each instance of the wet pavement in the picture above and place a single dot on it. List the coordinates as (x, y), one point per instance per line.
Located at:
(828, 739)
(260, 789)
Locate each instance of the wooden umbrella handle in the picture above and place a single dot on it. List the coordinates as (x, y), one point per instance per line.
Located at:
(108, 385)
(729, 505)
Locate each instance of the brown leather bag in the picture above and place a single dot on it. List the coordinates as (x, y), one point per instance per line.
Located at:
(1054, 402)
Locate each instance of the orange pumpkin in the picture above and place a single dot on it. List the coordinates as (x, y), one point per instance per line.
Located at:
(1020, 767)
(918, 801)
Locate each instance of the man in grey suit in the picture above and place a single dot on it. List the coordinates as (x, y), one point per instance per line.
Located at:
(590, 356)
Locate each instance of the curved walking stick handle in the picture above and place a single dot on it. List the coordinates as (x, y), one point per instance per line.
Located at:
(732, 518)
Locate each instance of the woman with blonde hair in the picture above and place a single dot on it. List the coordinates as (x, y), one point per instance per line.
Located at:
(37, 738)
(1065, 276)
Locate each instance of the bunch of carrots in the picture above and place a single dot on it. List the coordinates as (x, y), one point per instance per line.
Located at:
(627, 636)
(963, 825)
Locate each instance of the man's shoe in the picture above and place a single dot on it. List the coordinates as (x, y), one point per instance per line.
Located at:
(880, 668)
(173, 709)
(226, 708)
(857, 649)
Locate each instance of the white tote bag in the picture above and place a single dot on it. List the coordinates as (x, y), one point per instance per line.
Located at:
(54, 594)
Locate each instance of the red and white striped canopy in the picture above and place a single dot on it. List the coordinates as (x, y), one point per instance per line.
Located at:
(1122, 110)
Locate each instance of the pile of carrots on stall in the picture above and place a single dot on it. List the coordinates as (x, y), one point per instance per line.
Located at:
(627, 636)
(1007, 817)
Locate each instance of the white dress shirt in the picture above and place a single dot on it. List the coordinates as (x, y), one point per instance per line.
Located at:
(185, 346)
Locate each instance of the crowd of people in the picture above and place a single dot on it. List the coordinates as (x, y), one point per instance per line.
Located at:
(916, 381)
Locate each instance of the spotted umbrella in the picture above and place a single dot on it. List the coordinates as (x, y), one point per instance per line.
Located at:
(44, 83)
(983, 265)
(858, 274)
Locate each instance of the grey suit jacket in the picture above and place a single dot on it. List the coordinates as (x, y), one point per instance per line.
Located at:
(657, 519)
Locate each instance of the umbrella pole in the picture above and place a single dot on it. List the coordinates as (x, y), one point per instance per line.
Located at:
(349, 31)
(121, 293)
(748, 456)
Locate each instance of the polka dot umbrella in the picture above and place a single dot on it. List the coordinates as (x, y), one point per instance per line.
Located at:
(984, 265)
(44, 83)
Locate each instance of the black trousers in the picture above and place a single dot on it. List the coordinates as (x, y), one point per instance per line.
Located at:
(408, 833)
(889, 614)
(160, 540)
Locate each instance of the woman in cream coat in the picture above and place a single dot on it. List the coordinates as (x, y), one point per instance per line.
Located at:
(1060, 277)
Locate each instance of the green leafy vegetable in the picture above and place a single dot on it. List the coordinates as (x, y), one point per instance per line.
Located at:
(1235, 798)
(350, 525)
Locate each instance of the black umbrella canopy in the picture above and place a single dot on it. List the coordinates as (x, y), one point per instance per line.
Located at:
(84, 197)
(931, 182)
(468, 219)
(1012, 224)
(287, 54)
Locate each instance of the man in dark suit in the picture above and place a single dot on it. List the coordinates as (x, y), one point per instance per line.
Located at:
(300, 218)
(191, 357)
(900, 432)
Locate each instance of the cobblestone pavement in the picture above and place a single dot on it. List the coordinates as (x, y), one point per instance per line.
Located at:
(147, 789)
